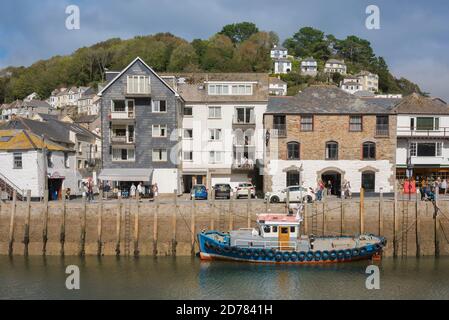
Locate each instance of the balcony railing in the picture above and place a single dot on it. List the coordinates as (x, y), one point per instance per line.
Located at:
(281, 130)
(122, 115)
(243, 165)
(122, 139)
(382, 130)
(244, 121)
(440, 132)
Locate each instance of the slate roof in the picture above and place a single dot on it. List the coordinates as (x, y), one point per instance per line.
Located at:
(274, 80)
(194, 89)
(326, 99)
(11, 140)
(417, 104)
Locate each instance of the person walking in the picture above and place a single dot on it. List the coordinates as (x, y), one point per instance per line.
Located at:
(90, 189)
(132, 191)
(329, 188)
(443, 186)
(140, 189)
(155, 190)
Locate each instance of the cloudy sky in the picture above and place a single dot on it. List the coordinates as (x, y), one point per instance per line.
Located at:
(414, 34)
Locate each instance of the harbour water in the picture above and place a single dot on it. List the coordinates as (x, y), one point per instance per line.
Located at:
(189, 278)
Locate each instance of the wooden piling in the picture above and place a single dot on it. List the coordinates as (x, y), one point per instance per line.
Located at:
(12, 224)
(118, 224)
(192, 227)
(231, 213)
(395, 222)
(62, 227)
(26, 237)
(45, 224)
(417, 227)
(136, 226)
(362, 210)
(436, 220)
(306, 219)
(381, 213)
(212, 209)
(156, 213)
(248, 209)
(342, 215)
(323, 229)
(82, 251)
(100, 225)
(174, 222)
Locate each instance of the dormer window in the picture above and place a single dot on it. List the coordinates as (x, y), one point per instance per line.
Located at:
(235, 89)
(138, 84)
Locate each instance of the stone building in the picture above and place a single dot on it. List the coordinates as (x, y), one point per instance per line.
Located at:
(327, 134)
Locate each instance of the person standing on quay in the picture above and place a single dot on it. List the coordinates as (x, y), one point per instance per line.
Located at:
(155, 190)
(132, 191)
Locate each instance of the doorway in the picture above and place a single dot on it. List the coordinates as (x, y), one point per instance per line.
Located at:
(55, 189)
(334, 179)
(369, 181)
(284, 238)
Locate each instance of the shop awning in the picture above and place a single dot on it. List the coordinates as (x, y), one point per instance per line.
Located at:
(143, 175)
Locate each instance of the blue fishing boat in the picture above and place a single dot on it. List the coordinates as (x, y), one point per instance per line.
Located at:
(277, 239)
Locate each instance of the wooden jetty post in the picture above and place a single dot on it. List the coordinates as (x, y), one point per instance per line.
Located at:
(342, 215)
(395, 222)
(323, 228)
(231, 214)
(118, 224)
(45, 224)
(381, 212)
(306, 219)
(26, 238)
(100, 225)
(192, 227)
(136, 226)
(62, 227)
(174, 222)
(156, 213)
(417, 227)
(436, 220)
(212, 209)
(362, 210)
(248, 210)
(82, 250)
(12, 224)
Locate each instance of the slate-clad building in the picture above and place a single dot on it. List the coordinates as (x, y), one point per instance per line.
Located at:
(140, 118)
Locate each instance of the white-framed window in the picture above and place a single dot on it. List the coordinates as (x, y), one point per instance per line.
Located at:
(122, 106)
(188, 133)
(138, 84)
(214, 134)
(188, 155)
(18, 163)
(159, 155)
(215, 157)
(159, 106)
(214, 112)
(159, 131)
(219, 89)
(123, 154)
(426, 149)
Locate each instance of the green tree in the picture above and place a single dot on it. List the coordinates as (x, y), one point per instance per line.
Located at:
(239, 32)
(183, 58)
(308, 42)
(218, 54)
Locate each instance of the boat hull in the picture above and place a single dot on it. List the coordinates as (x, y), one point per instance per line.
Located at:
(213, 249)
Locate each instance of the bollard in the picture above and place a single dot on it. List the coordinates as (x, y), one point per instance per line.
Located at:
(26, 238)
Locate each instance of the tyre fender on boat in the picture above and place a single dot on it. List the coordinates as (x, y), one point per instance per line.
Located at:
(241, 252)
(286, 256)
(325, 255)
(363, 251)
(333, 255)
(234, 250)
(271, 254)
(256, 253)
(317, 255)
(348, 253)
(294, 257)
(227, 249)
(310, 256)
(355, 252)
(302, 256)
(263, 253)
(340, 254)
(278, 257)
(248, 252)
(218, 249)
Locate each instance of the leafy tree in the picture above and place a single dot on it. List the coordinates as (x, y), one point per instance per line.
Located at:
(308, 42)
(183, 58)
(218, 54)
(239, 32)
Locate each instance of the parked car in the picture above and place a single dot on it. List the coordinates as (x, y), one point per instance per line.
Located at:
(308, 195)
(242, 190)
(199, 192)
(223, 191)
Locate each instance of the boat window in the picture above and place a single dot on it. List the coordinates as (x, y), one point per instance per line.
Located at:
(274, 229)
(266, 229)
(284, 230)
(292, 229)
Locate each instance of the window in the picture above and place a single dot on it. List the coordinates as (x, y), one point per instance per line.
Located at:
(66, 160)
(244, 115)
(159, 106)
(188, 133)
(214, 134)
(307, 123)
(159, 130)
(293, 151)
(214, 112)
(369, 181)
(292, 178)
(369, 151)
(382, 125)
(279, 124)
(426, 149)
(230, 89)
(188, 155)
(138, 84)
(123, 154)
(118, 106)
(427, 124)
(49, 160)
(159, 155)
(80, 164)
(332, 150)
(188, 111)
(215, 157)
(18, 164)
(292, 229)
(355, 123)
(274, 229)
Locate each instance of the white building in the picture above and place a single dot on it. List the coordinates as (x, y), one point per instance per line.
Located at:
(282, 66)
(309, 67)
(423, 137)
(277, 87)
(61, 98)
(278, 52)
(351, 84)
(369, 81)
(222, 127)
(32, 96)
(335, 66)
(89, 103)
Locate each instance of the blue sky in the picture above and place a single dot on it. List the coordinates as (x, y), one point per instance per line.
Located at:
(414, 34)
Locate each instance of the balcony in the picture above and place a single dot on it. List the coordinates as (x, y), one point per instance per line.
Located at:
(279, 131)
(120, 139)
(243, 165)
(244, 117)
(125, 115)
(407, 132)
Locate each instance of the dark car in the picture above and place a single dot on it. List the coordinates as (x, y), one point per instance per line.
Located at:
(222, 191)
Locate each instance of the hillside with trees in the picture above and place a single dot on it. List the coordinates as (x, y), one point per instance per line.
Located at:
(239, 47)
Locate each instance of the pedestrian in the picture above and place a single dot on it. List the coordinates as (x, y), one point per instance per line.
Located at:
(443, 186)
(90, 189)
(133, 191)
(67, 194)
(84, 190)
(155, 190)
(329, 188)
(140, 189)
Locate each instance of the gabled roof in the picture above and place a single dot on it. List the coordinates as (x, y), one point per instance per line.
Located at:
(417, 104)
(275, 80)
(129, 66)
(25, 140)
(325, 99)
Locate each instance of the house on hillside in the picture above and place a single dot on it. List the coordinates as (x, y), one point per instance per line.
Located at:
(277, 87)
(335, 66)
(309, 67)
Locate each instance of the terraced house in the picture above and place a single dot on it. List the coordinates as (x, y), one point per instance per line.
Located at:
(327, 134)
(140, 115)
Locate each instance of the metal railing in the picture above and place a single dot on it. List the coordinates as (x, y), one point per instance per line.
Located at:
(281, 130)
(245, 120)
(382, 130)
(417, 132)
(8, 186)
(285, 245)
